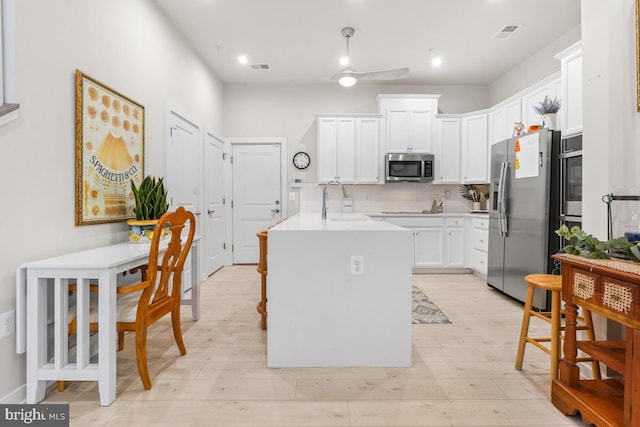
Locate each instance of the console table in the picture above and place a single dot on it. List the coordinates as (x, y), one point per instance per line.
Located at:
(610, 288)
(36, 279)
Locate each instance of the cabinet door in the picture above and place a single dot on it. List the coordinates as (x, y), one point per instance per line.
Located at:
(455, 246)
(497, 125)
(530, 100)
(571, 111)
(346, 151)
(502, 120)
(474, 165)
(397, 131)
(368, 157)
(327, 150)
(513, 112)
(447, 156)
(428, 249)
(421, 130)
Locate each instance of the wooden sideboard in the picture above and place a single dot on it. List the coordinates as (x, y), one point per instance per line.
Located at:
(610, 288)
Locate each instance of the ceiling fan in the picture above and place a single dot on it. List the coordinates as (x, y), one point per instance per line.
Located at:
(348, 76)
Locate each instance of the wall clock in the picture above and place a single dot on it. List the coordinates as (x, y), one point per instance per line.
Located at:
(301, 160)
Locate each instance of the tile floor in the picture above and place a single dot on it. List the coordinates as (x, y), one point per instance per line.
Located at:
(462, 375)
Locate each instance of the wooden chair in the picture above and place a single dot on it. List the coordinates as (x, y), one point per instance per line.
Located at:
(158, 293)
(262, 269)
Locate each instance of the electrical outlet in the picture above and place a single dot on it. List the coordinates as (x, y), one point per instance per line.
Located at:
(7, 323)
(357, 265)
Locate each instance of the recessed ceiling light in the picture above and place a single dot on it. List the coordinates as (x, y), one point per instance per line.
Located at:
(243, 59)
(436, 62)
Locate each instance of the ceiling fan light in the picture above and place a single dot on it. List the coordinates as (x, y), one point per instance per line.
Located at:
(347, 81)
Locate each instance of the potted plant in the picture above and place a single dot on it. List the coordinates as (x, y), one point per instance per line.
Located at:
(548, 110)
(473, 193)
(150, 205)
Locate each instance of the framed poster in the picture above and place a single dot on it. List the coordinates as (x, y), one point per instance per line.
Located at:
(109, 152)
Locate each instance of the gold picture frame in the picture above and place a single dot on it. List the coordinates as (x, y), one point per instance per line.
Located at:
(109, 152)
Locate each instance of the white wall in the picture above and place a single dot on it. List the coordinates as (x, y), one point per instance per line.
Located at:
(129, 46)
(289, 111)
(611, 122)
(535, 68)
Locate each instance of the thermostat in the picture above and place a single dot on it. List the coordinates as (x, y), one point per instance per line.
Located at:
(296, 182)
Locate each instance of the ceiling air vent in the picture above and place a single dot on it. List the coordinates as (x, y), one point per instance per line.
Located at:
(506, 32)
(260, 67)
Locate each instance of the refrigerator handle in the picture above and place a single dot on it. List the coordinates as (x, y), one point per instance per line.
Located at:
(499, 201)
(502, 194)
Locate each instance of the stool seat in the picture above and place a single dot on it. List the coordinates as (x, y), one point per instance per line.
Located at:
(549, 282)
(552, 283)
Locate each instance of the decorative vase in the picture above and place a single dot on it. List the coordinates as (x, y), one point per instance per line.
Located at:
(550, 121)
(141, 230)
(476, 206)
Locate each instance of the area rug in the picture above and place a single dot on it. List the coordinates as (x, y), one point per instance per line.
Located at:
(424, 311)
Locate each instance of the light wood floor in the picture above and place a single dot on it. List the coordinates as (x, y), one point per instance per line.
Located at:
(463, 373)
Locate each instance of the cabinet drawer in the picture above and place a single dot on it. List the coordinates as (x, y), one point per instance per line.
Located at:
(413, 222)
(478, 261)
(481, 223)
(480, 240)
(612, 295)
(454, 222)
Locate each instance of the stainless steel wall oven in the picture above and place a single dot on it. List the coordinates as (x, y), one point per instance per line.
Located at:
(570, 183)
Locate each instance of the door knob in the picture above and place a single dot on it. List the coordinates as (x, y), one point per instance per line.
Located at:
(275, 211)
(210, 211)
(197, 213)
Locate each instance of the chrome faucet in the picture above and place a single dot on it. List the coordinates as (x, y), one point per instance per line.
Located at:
(324, 196)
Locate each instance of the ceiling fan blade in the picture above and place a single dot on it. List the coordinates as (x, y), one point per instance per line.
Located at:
(393, 74)
(348, 72)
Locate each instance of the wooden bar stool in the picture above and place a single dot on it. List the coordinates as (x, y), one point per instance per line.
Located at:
(553, 284)
(262, 269)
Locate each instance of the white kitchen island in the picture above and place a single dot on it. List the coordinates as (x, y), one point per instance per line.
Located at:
(319, 312)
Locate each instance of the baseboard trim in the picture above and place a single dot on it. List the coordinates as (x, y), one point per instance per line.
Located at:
(18, 396)
(429, 270)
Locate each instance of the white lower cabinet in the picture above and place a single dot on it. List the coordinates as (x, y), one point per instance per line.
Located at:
(427, 247)
(454, 242)
(439, 242)
(479, 245)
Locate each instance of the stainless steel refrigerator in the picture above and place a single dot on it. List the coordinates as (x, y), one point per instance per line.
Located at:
(524, 212)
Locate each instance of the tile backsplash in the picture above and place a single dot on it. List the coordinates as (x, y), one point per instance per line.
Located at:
(403, 196)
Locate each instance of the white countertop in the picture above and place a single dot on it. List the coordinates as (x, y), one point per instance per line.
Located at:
(386, 214)
(312, 221)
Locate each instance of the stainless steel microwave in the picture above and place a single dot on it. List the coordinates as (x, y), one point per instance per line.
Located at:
(409, 167)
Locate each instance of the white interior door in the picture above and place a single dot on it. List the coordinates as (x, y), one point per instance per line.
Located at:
(214, 229)
(257, 192)
(182, 177)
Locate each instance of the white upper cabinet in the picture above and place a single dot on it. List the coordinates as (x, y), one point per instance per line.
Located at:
(409, 122)
(327, 149)
(369, 162)
(533, 97)
(502, 120)
(570, 114)
(447, 153)
(349, 149)
(475, 149)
